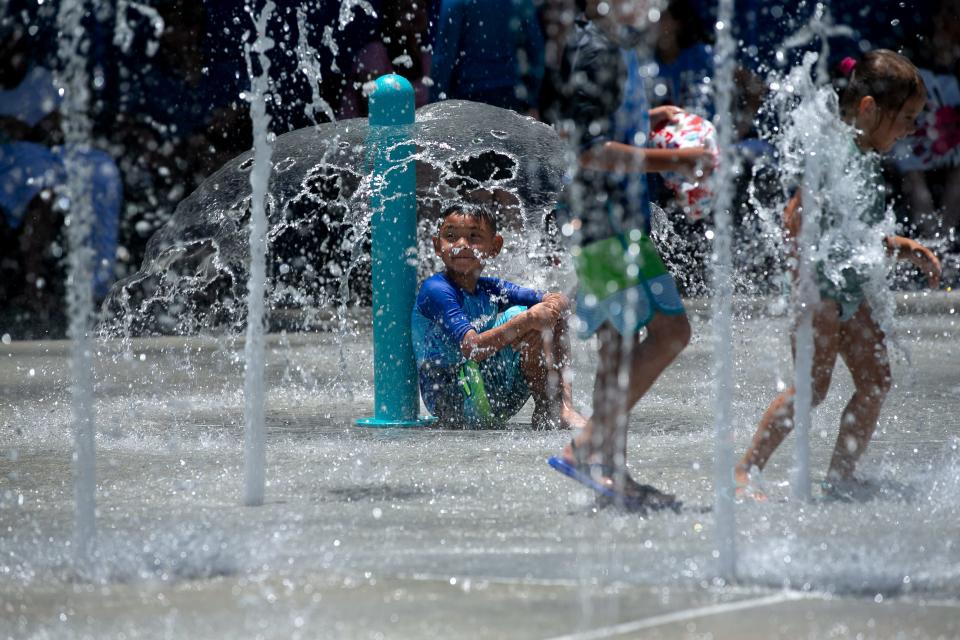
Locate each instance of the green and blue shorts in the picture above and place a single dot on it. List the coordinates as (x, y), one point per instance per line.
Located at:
(623, 281)
(848, 293)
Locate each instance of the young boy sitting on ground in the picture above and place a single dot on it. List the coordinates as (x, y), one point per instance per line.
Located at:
(485, 345)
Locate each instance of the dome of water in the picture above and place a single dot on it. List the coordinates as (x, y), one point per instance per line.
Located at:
(194, 271)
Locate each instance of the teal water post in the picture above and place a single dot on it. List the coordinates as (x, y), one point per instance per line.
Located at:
(393, 238)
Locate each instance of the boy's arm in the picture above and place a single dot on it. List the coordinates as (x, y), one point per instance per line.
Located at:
(922, 258)
(514, 294)
(438, 302)
(625, 158)
(480, 346)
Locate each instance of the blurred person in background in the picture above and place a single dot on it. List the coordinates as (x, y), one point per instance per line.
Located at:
(172, 110)
(32, 169)
(684, 59)
(393, 41)
(929, 160)
(489, 51)
(685, 69)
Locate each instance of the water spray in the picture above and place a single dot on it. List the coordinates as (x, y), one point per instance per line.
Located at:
(254, 451)
(75, 198)
(722, 277)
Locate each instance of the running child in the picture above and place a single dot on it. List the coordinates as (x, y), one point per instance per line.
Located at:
(485, 345)
(623, 284)
(881, 97)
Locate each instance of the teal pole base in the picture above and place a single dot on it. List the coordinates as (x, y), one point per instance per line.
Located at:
(387, 423)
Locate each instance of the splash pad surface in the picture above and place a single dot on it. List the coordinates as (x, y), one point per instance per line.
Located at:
(427, 533)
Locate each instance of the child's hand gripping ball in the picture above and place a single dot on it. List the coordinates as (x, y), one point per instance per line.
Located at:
(684, 131)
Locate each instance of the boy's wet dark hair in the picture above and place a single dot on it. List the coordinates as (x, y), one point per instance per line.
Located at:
(476, 211)
(890, 78)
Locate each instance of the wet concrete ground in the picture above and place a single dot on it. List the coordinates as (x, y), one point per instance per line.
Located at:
(427, 533)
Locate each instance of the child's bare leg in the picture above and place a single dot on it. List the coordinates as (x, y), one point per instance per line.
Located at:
(536, 361)
(606, 432)
(644, 361)
(667, 336)
(775, 424)
(626, 370)
(777, 420)
(597, 437)
(542, 370)
(864, 351)
(544, 358)
(569, 416)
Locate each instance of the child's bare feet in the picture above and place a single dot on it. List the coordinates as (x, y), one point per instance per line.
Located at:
(747, 487)
(849, 489)
(570, 418)
(566, 418)
(545, 419)
(741, 476)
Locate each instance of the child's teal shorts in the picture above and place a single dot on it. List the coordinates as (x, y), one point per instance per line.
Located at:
(848, 295)
(623, 281)
(504, 385)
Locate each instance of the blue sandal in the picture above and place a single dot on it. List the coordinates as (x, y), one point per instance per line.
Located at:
(586, 474)
(640, 497)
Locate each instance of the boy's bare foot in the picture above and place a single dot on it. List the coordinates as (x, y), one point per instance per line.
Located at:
(570, 418)
(544, 420)
(567, 418)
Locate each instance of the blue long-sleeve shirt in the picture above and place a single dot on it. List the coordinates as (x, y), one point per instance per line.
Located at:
(444, 313)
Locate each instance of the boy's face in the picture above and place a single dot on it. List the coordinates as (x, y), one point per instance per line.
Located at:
(465, 242)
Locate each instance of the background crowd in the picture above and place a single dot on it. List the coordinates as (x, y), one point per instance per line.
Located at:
(167, 78)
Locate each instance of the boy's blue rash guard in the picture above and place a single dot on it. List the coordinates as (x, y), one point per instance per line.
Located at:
(444, 313)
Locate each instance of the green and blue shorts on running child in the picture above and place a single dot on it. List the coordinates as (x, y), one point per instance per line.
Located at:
(623, 281)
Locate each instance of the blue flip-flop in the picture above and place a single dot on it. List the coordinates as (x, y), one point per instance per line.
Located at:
(581, 473)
